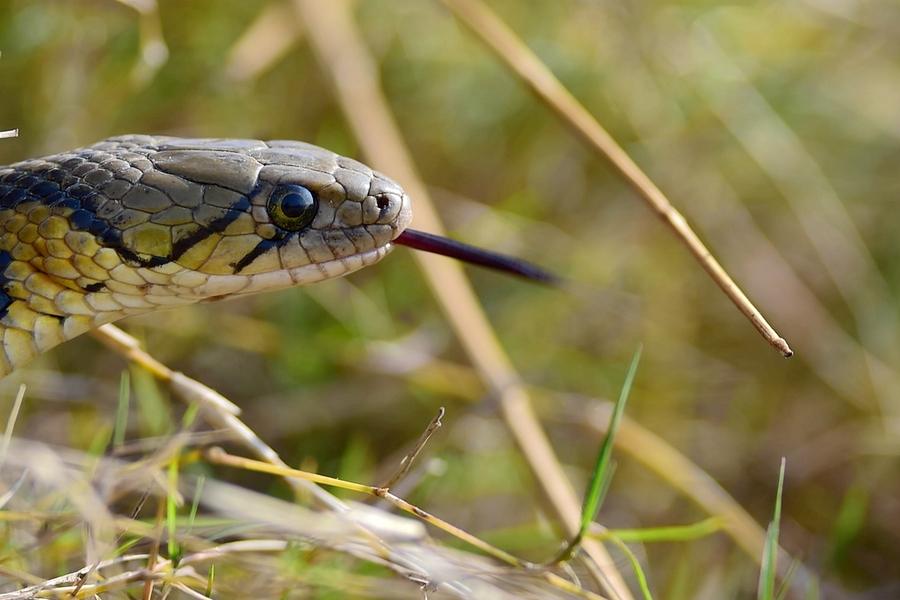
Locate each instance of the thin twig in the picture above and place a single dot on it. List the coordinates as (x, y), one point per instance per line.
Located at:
(407, 461)
(491, 30)
(11, 423)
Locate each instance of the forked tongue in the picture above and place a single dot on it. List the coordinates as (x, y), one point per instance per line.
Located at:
(476, 256)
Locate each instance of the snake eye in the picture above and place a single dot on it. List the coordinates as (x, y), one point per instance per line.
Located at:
(292, 207)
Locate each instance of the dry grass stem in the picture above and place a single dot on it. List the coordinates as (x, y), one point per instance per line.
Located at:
(407, 461)
(535, 74)
(271, 35)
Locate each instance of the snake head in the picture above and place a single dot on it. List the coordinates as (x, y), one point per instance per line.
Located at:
(226, 217)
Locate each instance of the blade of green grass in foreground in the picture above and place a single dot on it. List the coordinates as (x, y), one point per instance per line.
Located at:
(674, 533)
(600, 479)
(848, 524)
(603, 468)
(766, 590)
(172, 516)
(209, 580)
(636, 565)
(195, 504)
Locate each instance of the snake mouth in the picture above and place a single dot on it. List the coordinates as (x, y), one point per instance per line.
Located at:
(218, 287)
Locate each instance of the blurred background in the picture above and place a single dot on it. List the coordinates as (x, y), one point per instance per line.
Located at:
(774, 126)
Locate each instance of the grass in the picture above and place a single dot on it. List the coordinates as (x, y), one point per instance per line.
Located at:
(242, 528)
(767, 573)
(764, 126)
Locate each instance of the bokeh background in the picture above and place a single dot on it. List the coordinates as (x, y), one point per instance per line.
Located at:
(772, 125)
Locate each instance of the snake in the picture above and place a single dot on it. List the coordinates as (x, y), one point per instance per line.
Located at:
(138, 223)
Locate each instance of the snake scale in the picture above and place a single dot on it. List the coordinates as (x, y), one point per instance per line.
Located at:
(137, 223)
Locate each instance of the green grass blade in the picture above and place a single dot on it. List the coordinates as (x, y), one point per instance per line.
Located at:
(209, 581)
(172, 516)
(600, 478)
(766, 590)
(636, 565)
(195, 505)
(190, 415)
(785, 587)
(151, 403)
(675, 533)
(848, 524)
(812, 589)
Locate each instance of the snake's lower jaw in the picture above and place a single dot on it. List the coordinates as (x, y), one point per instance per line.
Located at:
(27, 333)
(302, 275)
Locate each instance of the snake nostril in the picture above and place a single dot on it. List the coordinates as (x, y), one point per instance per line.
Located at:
(382, 202)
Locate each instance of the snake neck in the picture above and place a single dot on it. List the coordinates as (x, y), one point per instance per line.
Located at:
(26, 333)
